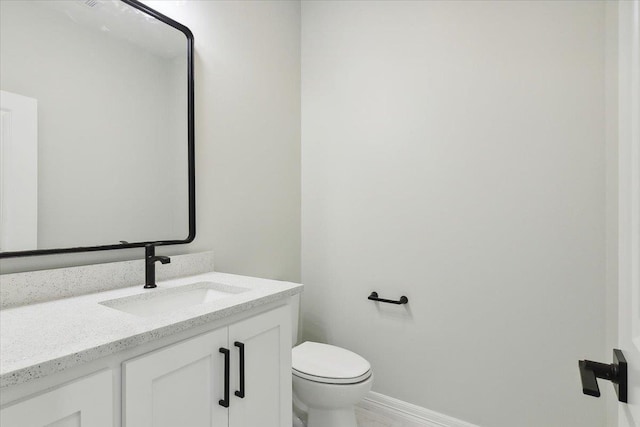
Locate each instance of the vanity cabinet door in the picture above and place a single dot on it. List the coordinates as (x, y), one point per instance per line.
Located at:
(87, 402)
(266, 341)
(179, 385)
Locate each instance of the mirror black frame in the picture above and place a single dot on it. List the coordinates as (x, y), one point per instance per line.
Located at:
(190, 154)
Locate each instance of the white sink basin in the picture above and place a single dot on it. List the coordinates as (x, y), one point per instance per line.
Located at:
(161, 301)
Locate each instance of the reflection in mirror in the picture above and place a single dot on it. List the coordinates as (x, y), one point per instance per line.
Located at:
(93, 147)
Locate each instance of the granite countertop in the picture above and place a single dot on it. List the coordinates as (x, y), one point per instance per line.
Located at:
(41, 339)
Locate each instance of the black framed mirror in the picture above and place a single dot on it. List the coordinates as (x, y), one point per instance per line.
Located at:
(97, 148)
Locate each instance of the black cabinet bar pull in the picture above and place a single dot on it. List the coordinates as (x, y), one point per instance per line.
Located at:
(374, 297)
(225, 402)
(240, 346)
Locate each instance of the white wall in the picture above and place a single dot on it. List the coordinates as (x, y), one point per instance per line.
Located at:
(454, 152)
(247, 140)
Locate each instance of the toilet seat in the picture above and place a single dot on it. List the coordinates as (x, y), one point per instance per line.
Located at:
(328, 364)
(327, 380)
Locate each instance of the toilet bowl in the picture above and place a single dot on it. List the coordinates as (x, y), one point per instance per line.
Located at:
(328, 381)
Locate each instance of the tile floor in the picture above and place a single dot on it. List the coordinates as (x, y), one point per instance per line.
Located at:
(369, 419)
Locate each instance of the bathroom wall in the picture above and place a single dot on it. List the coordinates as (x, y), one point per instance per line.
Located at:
(247, 133)
(454, 152)
(247, 140)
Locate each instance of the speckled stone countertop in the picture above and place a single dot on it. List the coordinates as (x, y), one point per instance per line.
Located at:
(41, 339)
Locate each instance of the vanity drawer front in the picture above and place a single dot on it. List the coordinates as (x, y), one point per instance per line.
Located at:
(87, 402)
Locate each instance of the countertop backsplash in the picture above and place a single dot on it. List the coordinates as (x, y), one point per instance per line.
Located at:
(32, 287)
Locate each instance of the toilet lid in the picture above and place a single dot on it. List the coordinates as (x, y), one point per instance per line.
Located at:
(328, 364)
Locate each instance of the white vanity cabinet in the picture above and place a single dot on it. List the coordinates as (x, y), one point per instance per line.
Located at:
(86, 402)
(179, 385)
(133, 357)
(184, 384)
(267, 362)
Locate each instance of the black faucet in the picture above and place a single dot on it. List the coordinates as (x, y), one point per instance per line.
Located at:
(150, 259)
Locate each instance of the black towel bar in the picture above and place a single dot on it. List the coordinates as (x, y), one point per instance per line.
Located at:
(374, 297)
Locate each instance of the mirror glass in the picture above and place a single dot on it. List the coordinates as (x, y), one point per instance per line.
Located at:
(95, 126)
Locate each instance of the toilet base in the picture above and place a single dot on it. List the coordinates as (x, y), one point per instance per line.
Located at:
(329, 405)
(297, 422)
(344, 417)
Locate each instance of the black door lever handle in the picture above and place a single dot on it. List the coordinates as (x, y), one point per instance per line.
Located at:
(588, 378)
(615, 372)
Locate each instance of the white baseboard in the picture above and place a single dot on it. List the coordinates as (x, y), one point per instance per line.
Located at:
(406, 414)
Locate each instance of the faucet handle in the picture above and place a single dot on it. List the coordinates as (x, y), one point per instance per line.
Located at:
(162, 259)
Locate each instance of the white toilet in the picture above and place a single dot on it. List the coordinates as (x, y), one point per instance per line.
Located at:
(328, 381)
